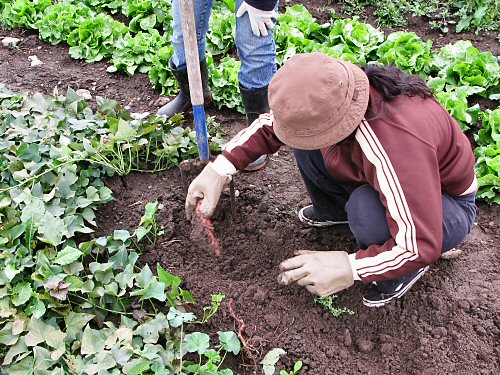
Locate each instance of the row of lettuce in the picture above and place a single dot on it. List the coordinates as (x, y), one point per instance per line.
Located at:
(459, 73)
(89, 307)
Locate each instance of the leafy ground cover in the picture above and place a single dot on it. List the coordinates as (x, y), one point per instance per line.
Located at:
(447, 310)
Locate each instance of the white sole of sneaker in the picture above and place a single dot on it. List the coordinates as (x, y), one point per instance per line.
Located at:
(318, 224)
(399, 294)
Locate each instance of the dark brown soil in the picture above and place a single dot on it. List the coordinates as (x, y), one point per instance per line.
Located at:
(449, 323)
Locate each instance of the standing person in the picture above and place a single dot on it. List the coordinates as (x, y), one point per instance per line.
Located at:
(376, 151)
(256, 50)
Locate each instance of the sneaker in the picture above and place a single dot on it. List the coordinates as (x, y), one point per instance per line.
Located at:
(383, 292)
(257, 164)
(307, 216)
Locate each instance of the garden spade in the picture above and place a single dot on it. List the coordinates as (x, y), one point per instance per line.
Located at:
(203, 230)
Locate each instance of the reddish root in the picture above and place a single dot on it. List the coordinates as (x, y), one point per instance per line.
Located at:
(249, 350)
(203, 232)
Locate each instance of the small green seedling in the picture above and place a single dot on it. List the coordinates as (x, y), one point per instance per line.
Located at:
(327, 303)
(209, 311)
(148, 227)
(272, 357)
(296, 368)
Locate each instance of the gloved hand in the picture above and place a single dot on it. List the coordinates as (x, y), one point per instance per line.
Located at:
(260, 20)
(207, 185)
(322, 272)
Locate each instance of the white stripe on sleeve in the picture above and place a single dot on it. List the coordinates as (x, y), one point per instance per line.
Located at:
(406, 244)
(244, 135)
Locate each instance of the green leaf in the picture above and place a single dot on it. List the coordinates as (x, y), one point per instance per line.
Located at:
(125, 132)
(197, 342)
(141, 232)
(23, 367)
(67, 255)
(177, 318)
(22, 293)
(270, 359)
(6, 336)
(148, 22)
(139, 368)
(93, 341)
(121, 235)
(144, 277)
(29, 152)
(167, 278)
(89, 216)
(153, 289)
(19, 348)
(75, 323)
(36, 308)
(33, 211)
(66, 181)
(297, 366)
(52, 229)
(39, 332)
(229, 342)
(152, 329)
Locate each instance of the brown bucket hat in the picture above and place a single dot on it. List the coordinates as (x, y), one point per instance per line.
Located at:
(317, 100)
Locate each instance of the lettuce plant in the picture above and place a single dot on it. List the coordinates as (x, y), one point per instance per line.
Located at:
(136, 52)
(464, 65)
(148, 14)
(59, 20)
(23, 13)
(220, 37)
(406, 51)
(95, 38)
(113, 6)
(490, 132)
(474, 69)
(354, 41)
(297, 32)
(224, 83)
(455, 101)
(488, 173)
(160, 74)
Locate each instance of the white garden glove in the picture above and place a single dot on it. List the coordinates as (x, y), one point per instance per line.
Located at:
(322, 272)
(260, 20)
(208, 185)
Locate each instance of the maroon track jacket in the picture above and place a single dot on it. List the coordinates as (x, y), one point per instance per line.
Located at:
(410, 155)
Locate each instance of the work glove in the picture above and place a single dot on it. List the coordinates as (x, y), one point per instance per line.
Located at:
(260, 20)
(208, 185)
(322, 272)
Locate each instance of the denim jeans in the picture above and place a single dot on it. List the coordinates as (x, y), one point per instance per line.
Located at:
(257, 53)
(365, 212)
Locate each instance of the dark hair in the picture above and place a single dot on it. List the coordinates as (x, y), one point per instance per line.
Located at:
(390, 82)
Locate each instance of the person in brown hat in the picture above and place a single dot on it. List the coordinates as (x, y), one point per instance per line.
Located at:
(377, 152)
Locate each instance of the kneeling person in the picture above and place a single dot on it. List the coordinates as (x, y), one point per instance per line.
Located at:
(376, 151)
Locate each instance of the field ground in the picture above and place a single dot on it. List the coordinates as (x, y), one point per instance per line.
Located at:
(448, 324)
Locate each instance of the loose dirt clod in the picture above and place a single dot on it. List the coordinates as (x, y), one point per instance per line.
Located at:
(202, 232)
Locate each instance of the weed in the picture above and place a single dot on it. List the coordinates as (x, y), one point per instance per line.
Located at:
(148, 227)
(296, 368)
(327, 303)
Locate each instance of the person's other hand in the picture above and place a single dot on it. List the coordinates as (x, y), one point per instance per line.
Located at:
(322, 272)
(260, 20)
(208, 185)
